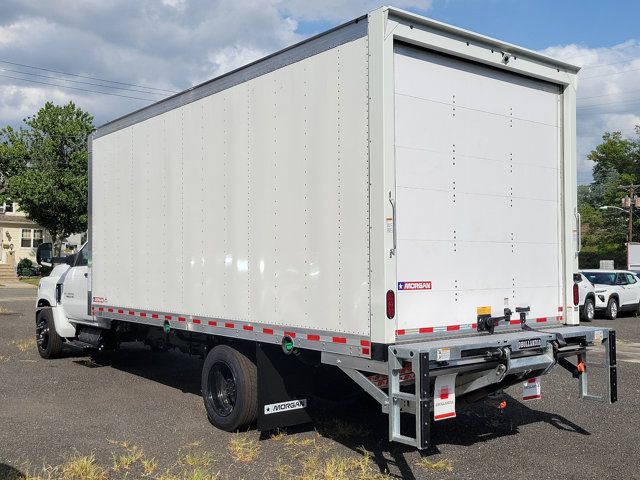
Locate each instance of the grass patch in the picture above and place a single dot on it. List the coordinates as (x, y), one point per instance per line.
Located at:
(338, 467)
(4, 359)
(126, 460)
(4, 309)
(31, 280)
(278, 435)
(435, 465)
(82, 467)
(24, 345)
(243, 449)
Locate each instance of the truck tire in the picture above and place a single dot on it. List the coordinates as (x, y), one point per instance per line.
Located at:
(588, 310)
(230, 388)
(48, 341)
(612, 309)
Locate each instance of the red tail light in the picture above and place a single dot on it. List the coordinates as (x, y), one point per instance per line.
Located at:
(576, 294)
(391, 304)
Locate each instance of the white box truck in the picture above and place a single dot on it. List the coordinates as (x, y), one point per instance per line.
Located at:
(394, 198)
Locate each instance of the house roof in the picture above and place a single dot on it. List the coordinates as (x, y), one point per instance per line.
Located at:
(15, 221)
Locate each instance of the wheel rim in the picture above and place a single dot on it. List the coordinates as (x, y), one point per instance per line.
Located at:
(590, 311)
(222, 389)
(614, 309)
(42, 334)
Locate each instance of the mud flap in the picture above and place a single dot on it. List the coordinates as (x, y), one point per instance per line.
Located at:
(284, 387)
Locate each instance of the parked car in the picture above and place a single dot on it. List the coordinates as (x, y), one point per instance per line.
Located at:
(615, 290)
(586, 294)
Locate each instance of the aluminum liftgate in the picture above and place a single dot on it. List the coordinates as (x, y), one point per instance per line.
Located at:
(499, 361)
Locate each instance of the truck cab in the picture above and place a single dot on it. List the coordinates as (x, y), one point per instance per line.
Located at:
(63, 306)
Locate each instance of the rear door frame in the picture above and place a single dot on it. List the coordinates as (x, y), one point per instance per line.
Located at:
(388, 25)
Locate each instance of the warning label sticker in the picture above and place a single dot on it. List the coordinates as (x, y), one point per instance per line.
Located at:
(424, 285)
(444, 397)
(285, 406)
(531, 389)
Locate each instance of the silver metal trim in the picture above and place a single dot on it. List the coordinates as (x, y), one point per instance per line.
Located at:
(312, 46)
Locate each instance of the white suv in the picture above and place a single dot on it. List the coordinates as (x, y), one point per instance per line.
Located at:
(616, 290)
(586, 296)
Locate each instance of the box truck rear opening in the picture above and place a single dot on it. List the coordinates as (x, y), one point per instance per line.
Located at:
(394, 198)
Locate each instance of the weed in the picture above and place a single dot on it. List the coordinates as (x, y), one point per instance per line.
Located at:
(149, 466)
(243, 449)
(82, 468)
(4, 358)
(24, 345)
(278, 435)
(443, 465)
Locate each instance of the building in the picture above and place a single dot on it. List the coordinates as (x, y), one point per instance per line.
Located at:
(19, 236)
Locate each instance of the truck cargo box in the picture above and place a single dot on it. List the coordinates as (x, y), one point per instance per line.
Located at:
(394, 178)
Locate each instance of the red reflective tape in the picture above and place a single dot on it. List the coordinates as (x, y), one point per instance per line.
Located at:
(290, 334)
(197, 321)
(559, 309)
(532, 380)
(541, 319)
(365, 351)
(142, 314)
(400, 332)
(229, 325)
(559, 318)
(121, 311)
(182, 319)
(445, 415)
(451, 328)
(212, 323)
(167, 317)
(248, 328)
(131, 312)
(110, 310)
(339, 340)
(532, 397)
(268, 331)
(315, 338)
(474, 325)
(101, 309)
(365, 343)
(514, 322)
(154, 315)
(426, 330)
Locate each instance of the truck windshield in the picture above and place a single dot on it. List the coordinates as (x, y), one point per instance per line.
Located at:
(601, 278)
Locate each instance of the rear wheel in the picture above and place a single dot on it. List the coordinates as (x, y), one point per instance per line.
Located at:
(230, 388)
(48, 341)
(612, 309)
(588, 310)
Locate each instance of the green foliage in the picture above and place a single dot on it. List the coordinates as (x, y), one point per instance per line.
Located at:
(25, 268)
(43, 167)
(604, 232)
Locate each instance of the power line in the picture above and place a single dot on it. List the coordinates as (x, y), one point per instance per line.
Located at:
(87, 77)
(81, 82)
(79, 89)
(587, 107)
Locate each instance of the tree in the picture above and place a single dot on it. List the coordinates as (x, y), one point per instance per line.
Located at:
(43, 167)
(604, 233)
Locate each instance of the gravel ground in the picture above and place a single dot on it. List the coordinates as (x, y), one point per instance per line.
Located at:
(53, 410)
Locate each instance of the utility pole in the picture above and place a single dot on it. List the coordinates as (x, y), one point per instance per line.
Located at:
(630, 201)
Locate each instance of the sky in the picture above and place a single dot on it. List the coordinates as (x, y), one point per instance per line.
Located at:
(156, 47)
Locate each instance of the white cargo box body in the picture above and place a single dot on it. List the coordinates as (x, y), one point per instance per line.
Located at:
(287, 198)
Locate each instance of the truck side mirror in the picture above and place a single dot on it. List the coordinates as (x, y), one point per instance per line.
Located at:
(44, 255)
(70, 259)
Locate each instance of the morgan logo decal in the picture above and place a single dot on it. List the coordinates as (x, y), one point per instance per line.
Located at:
(285, 406)
(414, 285)
(529, 343)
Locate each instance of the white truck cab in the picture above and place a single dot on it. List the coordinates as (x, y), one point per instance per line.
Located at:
(63, 299)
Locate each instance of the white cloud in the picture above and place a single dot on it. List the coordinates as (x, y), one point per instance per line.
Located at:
(340, 10)
(608, 93)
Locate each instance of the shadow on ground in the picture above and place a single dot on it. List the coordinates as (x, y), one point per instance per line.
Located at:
(8, 472)
(357, 423)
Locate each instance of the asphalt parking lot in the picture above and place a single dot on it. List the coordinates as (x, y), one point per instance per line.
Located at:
(146, 407)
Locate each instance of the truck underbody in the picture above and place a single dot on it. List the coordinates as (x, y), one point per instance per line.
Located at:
(405, 382)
